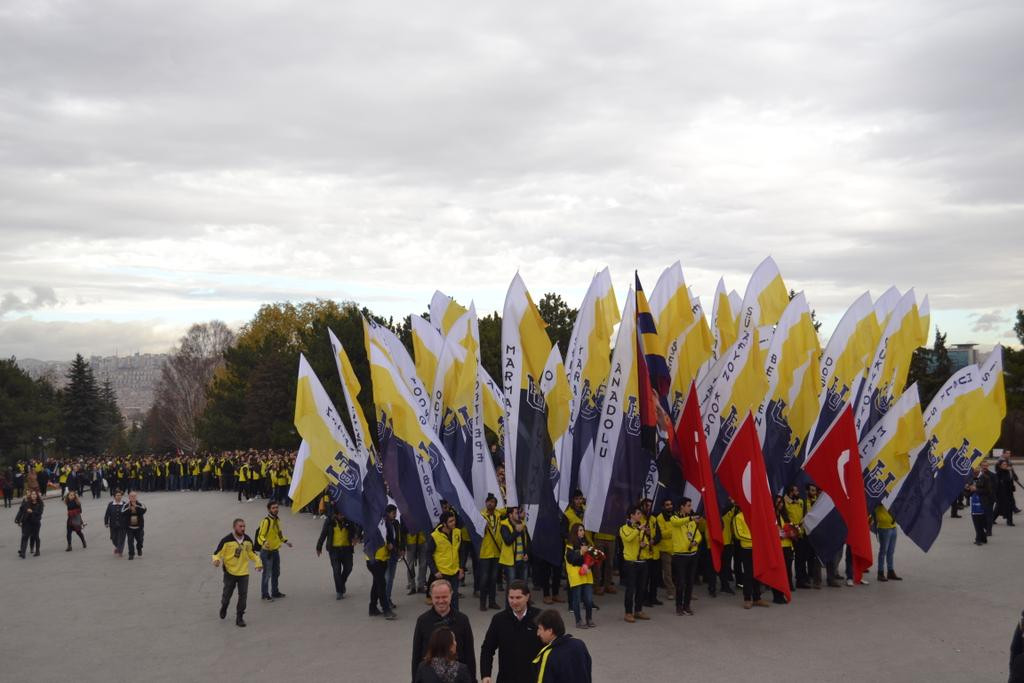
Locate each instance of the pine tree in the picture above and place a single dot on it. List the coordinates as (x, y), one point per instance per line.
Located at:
(82, 411)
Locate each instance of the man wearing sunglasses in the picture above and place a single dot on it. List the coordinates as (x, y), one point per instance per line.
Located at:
(235, 552)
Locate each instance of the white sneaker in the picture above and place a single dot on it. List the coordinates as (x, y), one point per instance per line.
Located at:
(849, 582)
(865, 582)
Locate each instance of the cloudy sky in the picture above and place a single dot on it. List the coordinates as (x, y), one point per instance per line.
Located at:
(169, 162)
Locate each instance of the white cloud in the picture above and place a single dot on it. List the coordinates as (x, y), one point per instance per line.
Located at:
(172, 162)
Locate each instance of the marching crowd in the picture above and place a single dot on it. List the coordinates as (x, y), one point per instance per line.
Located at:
(655, 554)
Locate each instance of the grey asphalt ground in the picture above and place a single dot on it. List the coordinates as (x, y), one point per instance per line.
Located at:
(87, 616)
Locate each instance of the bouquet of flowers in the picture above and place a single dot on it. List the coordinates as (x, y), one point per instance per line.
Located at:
(591, 556)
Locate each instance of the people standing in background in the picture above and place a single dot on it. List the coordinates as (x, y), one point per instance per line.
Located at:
(96, 481)
(30, 519)
(1004, 489)
(885, 528)
(514, 553)
(581, 579)
(490, 552)
(985, 486)
(7, 486)
(443, 546)
(416, 562)
(686, 538)
(634, 538)
(394, 539)
(979, 513)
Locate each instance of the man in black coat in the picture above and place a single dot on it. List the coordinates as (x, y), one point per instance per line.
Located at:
(563, 659)
(442, 614)
(513, 633)
(114, 520)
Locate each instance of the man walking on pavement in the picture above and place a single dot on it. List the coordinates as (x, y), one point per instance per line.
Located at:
(235, 552)
(269, 539)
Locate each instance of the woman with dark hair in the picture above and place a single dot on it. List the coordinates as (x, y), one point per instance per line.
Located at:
(581, 579)
(75, 522)
(30, 518)
(439, 664)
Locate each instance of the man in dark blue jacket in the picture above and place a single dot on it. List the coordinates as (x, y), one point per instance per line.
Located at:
(563, 659)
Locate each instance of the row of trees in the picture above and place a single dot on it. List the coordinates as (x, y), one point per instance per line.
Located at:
(38, 420)
(223, 391)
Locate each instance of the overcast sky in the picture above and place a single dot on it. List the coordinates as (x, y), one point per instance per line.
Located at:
(164, 163)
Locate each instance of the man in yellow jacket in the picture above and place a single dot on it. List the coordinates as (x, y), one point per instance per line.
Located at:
(235, 552)
(269, 539)
(443, 545)
(685, 539)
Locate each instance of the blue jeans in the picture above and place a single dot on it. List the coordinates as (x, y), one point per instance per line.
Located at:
(390, 576)
(582, 593)
(271, 560)
(886, 549)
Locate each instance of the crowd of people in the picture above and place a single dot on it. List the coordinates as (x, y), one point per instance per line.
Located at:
(656, 556)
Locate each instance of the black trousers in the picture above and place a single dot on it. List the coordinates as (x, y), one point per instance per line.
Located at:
(378, 599)
(980, 530)
(117, 536)
(804, 556)
(548, 576)
(8, 496)
(684, 568)
(230, 581)
(751, 589)
(134, 541)
(488, 573)
(341, 567)
(29, 537)
(652, 580)
(80, 535)
(634, 577)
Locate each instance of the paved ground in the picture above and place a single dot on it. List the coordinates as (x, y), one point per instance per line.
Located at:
(91, 617)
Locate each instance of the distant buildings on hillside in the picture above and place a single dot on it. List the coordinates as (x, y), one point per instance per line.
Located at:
(134, 378)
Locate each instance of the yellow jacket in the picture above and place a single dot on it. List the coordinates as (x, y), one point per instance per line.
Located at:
(446, 551)
(572, 571)
(630, 536)
(490, 546)
(741, 531)
(269, 533)
(666, 527)
(649, 532)
(727, 526)
(686, 536)
(796, 511)
(883, 520)
(236, 556)
(786, 542)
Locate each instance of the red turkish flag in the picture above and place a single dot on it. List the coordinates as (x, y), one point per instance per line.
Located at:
(834, 465)
(743, 475)
(691, 449)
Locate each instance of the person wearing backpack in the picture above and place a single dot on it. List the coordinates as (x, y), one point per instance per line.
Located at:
(269, 539)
